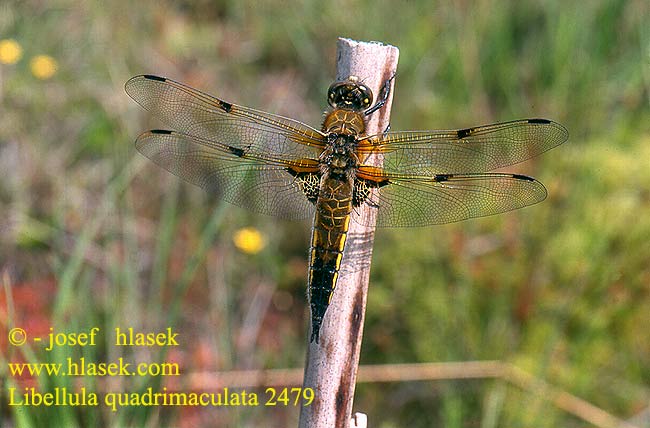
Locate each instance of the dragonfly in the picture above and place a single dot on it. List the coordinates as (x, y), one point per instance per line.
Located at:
(284, 168)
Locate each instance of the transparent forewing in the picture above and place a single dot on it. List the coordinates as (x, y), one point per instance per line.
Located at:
(261, 184)
(193, 112)
(411, 201)
(470, 150)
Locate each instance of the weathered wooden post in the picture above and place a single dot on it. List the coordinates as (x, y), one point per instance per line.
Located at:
(331, 365)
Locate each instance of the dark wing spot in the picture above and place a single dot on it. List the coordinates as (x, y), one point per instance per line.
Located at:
(225, 106)
(441, 177)
(542, 121)
(462, 133)
(152, 77)
(522, 177)
(236, 151)
(160, 131)
(309, 183)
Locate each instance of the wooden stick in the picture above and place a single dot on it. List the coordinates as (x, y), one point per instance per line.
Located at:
(331, 366)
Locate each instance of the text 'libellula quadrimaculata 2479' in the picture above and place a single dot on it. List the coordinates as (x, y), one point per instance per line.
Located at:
(282, 167)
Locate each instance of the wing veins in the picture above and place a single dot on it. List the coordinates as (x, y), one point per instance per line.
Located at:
(471, 150)
(140, 88)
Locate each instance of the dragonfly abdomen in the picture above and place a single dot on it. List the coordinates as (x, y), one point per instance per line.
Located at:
(329, 234)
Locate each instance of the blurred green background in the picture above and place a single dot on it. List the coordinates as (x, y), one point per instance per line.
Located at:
(93, 234)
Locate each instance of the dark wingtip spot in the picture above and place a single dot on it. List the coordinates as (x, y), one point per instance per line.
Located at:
(441, 177)
(152, 77)
(236, 151)
(522, 177)
(462, 133)
(226, 106)
(542, 121)
(160, 131)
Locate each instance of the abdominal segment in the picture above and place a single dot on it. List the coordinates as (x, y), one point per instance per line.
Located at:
(329, 233)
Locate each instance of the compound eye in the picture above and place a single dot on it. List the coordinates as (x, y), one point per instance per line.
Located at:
(366, 95)
(334, 93)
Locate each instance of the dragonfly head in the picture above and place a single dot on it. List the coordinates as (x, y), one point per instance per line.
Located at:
(349, 94)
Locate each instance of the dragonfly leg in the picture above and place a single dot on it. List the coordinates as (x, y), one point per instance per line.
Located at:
(384, 92)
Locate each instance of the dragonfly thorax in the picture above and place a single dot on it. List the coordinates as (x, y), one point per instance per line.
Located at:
(339, 156)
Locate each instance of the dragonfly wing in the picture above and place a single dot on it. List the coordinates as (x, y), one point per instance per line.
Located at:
(193, 112)
(467, 151)
(261, 184)
(448, 198)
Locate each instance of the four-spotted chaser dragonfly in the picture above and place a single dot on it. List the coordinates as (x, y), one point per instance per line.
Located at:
(281, 167)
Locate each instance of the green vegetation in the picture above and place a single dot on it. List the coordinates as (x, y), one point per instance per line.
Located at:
(92, 234)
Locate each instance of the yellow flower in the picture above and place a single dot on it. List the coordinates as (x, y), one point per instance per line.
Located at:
(10, 51)
(43, 66)
(249, 240)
